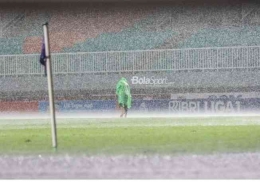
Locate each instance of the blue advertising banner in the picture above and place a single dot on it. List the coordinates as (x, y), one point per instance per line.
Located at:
(79, 105)
(215, 105)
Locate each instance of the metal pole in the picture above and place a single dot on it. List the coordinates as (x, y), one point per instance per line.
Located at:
(50, 85)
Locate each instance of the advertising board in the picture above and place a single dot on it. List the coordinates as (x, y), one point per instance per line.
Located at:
(228, 103)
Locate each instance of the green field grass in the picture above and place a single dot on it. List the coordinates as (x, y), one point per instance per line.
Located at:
(133, 136)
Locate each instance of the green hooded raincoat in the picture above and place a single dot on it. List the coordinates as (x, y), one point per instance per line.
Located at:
(123, 93)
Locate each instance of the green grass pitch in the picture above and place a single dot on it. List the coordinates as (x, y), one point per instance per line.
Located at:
(132, 136)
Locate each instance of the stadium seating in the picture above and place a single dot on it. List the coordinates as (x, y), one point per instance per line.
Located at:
(97, 29)
(11, 46)
(121, 29)
(18, 27)
(130, 39)
(224, 37)
(132, 30)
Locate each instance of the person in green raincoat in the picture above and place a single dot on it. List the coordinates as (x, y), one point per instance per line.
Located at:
(123, 96)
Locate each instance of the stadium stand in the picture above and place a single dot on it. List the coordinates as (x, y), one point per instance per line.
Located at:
(11, 46)
(97, 28)
(224, 37)
(124, 27)
(85, 27)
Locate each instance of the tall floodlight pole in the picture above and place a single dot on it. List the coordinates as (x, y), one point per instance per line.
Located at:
(50, 85)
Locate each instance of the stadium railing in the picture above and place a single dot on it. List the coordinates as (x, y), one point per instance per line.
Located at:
(222, 58)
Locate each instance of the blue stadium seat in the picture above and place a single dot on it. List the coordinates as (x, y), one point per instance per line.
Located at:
(11, 46)
(224, 37)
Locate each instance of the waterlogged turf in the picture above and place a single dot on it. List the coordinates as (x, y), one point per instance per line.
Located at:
(203, 135)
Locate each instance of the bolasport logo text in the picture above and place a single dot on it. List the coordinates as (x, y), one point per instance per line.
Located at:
(148, 80)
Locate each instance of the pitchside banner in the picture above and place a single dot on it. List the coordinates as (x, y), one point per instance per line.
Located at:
(213, 103)
(79, 105)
